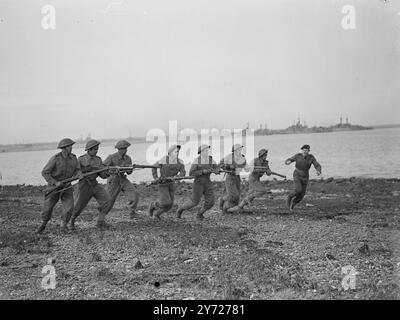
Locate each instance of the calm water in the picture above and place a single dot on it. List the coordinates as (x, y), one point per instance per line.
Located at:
(372, 153)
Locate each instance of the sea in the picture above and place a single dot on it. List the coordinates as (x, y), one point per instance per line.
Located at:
(365, 153)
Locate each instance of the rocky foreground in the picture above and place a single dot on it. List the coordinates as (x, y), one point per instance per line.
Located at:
(264, 253)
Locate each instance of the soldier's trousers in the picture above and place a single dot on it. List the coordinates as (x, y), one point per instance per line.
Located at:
(86, 192)
(67, 200)
(166, 196)
(256, 189)
(232, 197)
(116, 184)
(199, 189)
(300, 186)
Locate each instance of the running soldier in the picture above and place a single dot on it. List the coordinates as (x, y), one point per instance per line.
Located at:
(233, 162)
(119, 182)
(259, 166)
(61, 166)
(171, 166)
(201, 169)
(89, 187)
(303, 161)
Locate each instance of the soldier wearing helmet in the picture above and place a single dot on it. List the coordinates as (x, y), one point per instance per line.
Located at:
(61, 166)
(119, 182)
(171, 166)
(303, 162)
(201, 169)
(235, 161)
(258, 167)
(89, 187)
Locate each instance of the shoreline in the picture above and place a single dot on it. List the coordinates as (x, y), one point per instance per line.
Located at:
(221, 182)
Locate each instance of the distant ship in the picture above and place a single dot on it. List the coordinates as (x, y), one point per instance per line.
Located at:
(303, 128)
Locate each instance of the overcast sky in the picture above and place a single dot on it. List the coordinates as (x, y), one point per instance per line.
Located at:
(205, 63)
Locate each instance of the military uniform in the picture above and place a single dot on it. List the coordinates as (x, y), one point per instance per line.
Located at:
(166, 191)
(232, 181)
(301, 176)
(202, 186)
(119, 182)
(57, 169)
(89, 187)
(256, 188)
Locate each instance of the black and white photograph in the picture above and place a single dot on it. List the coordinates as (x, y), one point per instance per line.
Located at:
(218, 151)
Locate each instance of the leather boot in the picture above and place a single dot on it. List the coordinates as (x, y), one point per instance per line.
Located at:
(72, 224)
(151, 209)
(133, 214)
(200, 214)
(179, 213)
(41, 228)
(64, 227)
(221, 203)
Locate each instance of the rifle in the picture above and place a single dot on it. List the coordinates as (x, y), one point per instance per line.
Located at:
(51, 190)
(112, 169)
(227, 171)
(273, 173)
(117, 170)
(164, 180)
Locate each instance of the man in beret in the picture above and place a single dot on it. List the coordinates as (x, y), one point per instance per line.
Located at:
(119, 182)
(201, 169)
(63, 165)
(89, 187)
(171, 166)
(233, 162)
(303, 162)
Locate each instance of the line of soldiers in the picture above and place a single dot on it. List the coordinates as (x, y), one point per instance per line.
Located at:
(65, 165)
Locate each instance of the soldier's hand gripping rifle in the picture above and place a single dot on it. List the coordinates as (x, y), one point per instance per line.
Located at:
(164, 180)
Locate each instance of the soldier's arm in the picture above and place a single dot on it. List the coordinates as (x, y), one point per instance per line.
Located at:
(108, 161)
(129, 163)
(290, 160)
(195, 171)
(257, 170)
(78, 170)
(267, 169)
(104, 174)
(316, 165)
(224, 165)
(46, 172)
(182, 170)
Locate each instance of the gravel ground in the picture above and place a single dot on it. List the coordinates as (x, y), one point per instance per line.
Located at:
(265, 253)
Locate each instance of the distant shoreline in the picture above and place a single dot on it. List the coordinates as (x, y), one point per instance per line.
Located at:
(53, 145)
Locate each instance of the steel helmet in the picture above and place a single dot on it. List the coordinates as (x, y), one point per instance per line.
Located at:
(91, 144)
(202, 147)
(122, 144)
(262, 152)
(173, 147)
(65, 143)
(236, 147)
